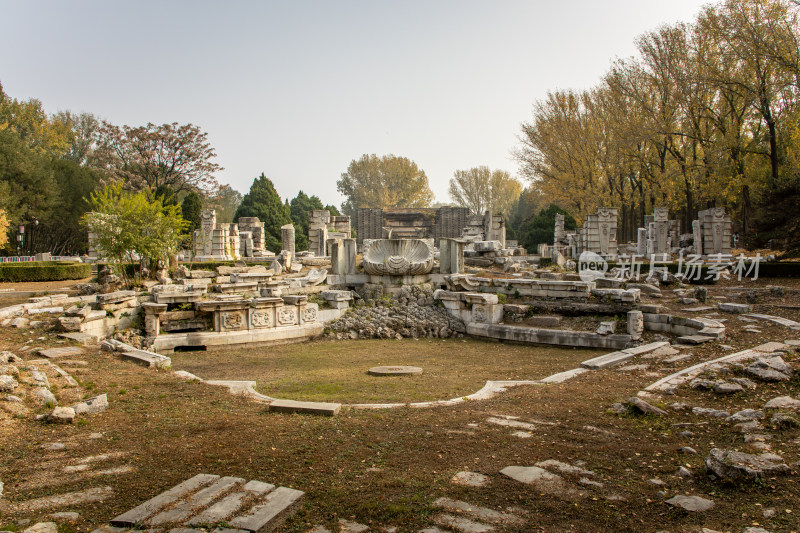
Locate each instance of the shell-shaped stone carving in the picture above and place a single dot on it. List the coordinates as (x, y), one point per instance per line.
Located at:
(398, 257)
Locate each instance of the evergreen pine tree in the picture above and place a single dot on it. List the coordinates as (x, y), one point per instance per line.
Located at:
(263, 202)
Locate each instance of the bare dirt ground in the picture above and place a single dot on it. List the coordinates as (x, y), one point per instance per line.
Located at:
(387, 467)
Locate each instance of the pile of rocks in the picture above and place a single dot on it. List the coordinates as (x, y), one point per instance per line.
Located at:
(27, 387)
(408, 312)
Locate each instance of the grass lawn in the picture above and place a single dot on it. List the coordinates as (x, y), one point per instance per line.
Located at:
(337, 371)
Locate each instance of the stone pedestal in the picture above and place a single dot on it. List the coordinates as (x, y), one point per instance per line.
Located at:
(641, 242)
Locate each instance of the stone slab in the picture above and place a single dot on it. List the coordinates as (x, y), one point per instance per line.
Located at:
(148, 359)
(84, 339)
(694, 339)
(53, 353)
(607, 360)
(478, 513)
(564, 376)
(278, 505)
(311, 408)
(152, 506)
(95, 494)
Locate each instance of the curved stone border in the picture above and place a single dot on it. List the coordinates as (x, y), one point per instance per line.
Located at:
(682, 376)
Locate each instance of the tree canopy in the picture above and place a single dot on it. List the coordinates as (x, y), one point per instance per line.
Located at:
(386, 181)
(146, 157)
(263, 202)
(300, 207)
(131, 225)
(481, 189)
(703, 116)
(541, 230)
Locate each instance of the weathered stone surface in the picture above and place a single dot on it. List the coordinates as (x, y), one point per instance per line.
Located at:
(564, 468)
(784, 421)
(53, 353)
(724, 387)
(691, 503)
(313, 408)
(42, 396)
(607, 328)
(706, 411)
(92, 406)
(541, 479)
(95, 494)
(733, 465)
(765, 372)
(746, 415)
(61, 415)
(465, 525)
(470, 479)
(483, 514)
(783, 402)
(8, 383)
(645, 408)
(729, 307)
(607, 360)
(42, 527)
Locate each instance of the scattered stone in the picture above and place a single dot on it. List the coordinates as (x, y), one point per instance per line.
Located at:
(61, 415)
(765, 369)
(95, 494)
(678, 358)
(590, 483)
(656, 482)
(11, 398)
(684, 472)
(564, 468)
(43, 396)
(53, 446)
(706, 411)
(783, 402)
(540, 478)
(688, 450)
(744, 382)
(54, 353)
(746, 415)
(755, 530)
(784, 421)
(394, 370)
(8, 383)
(464, 525)
(607, 328)
(723, 387)
(729, 307)
(695, 504)
(42, 527)
(643, 407)
(748, 427)
(733, 465)
(313, 408)
(632, 368)
(348, 526)
(522, 434)
(483, 514)
(470, 479)
(95, 436)
(92, 406)
(704, 384)
(694, 339)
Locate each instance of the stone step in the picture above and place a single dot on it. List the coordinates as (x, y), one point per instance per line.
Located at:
(311, 408)
(247, 507)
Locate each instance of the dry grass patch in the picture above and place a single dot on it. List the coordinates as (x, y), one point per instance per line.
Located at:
(337, 370)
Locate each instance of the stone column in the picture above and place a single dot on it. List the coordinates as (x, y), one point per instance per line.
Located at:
(641, 242)
(343, 256)
(451, 256)
(635, 324)
(287, 239)
(152, 318)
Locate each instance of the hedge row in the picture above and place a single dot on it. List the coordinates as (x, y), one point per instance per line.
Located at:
(44, 271)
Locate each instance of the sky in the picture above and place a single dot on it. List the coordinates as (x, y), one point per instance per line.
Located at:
(298, 89)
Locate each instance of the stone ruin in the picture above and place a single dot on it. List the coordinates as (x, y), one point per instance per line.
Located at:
(598, 235)
(424, 223)
(712, 232)
(321, 227)
(229, 242)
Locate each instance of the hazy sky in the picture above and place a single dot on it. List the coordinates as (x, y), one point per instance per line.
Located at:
(298, 89)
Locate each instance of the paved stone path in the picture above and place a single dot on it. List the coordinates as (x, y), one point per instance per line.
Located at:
(205, 499)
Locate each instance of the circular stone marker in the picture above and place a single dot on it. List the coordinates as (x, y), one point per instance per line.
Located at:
(394, 370)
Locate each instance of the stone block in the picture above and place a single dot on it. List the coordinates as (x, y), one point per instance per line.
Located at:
(313, 408)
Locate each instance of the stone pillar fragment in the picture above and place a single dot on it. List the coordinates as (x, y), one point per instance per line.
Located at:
(635, 324)
(343, 256)
(451, 256)
(287, 239)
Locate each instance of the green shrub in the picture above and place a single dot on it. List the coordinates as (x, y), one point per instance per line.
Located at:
(44, 271)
